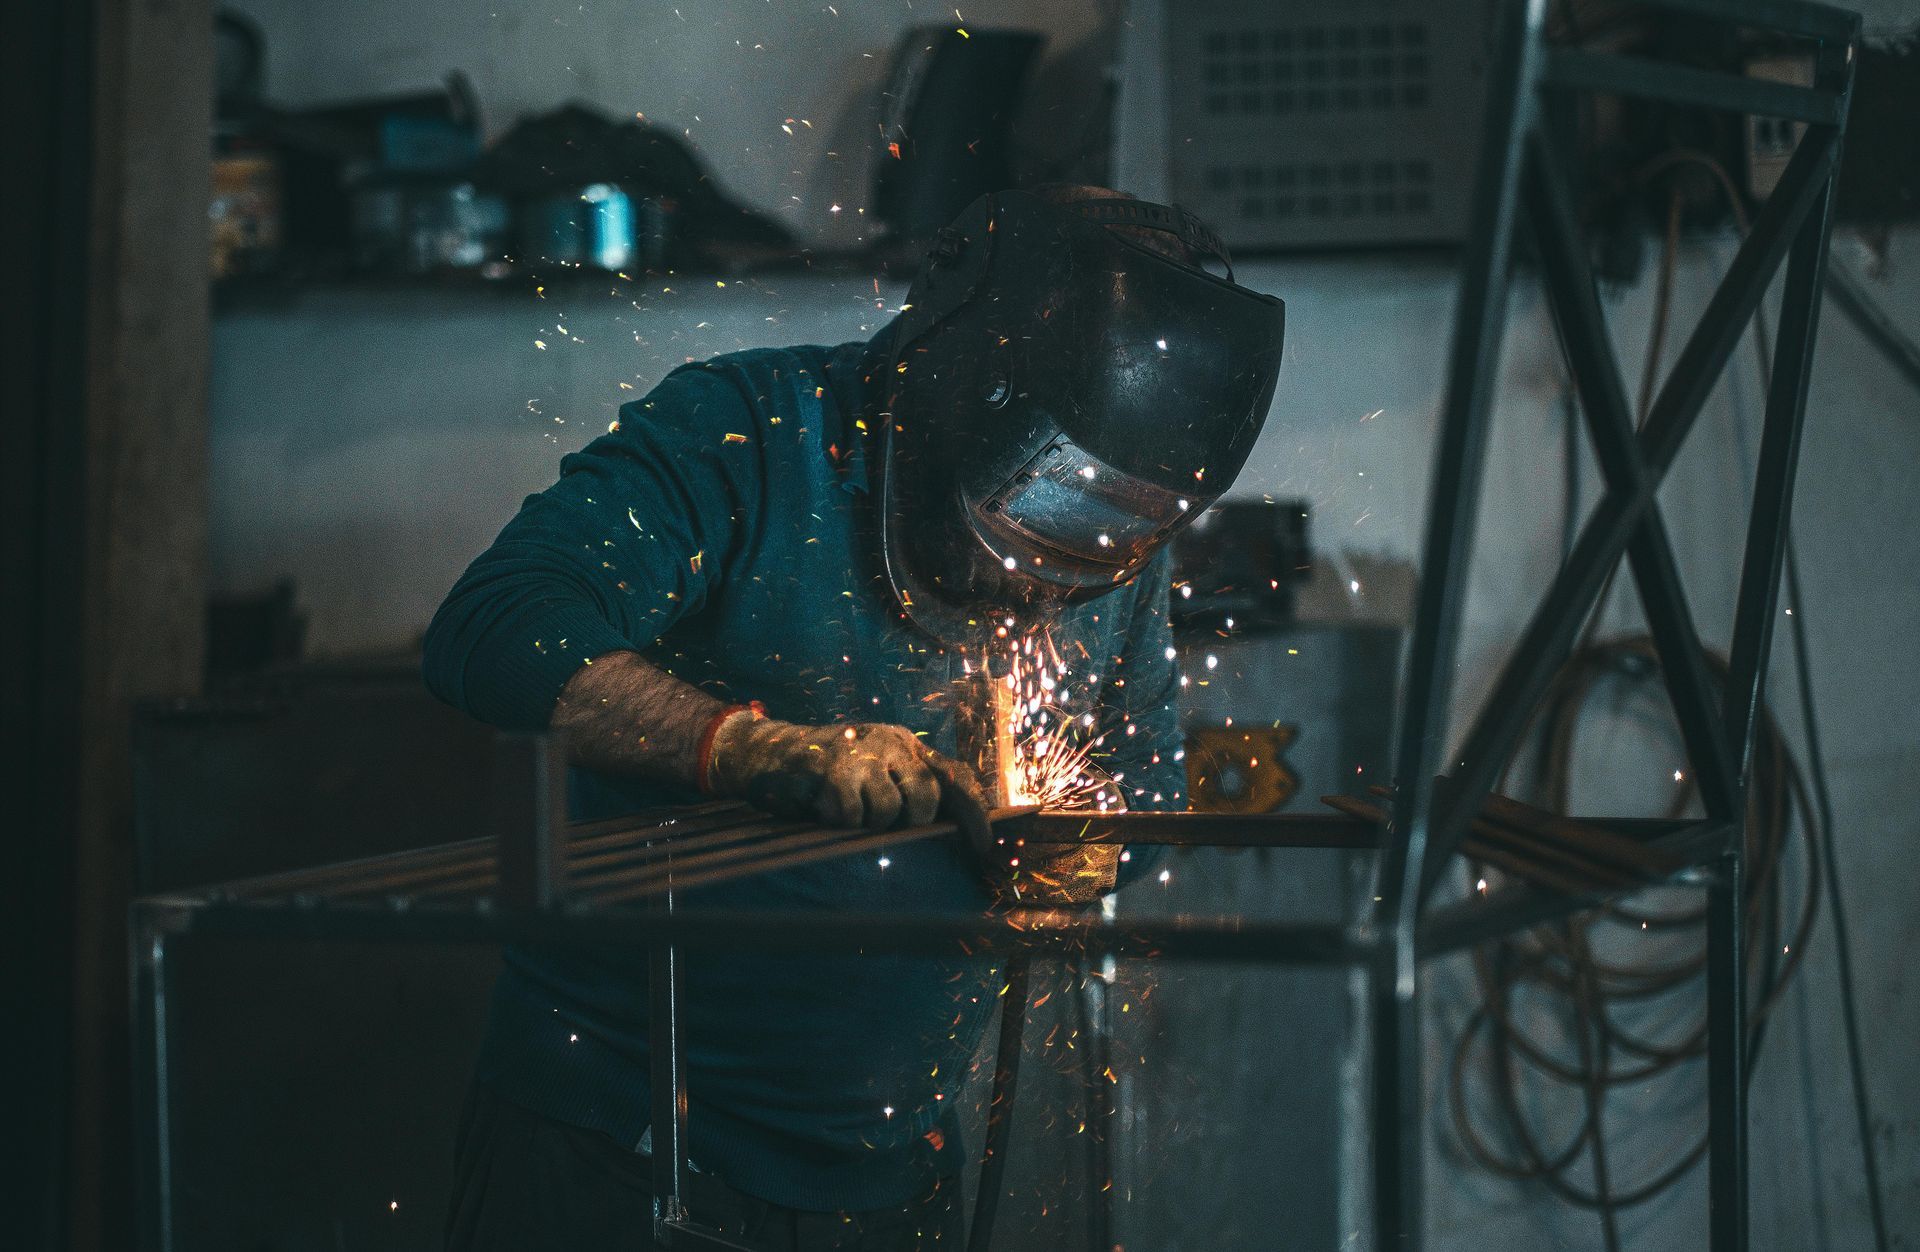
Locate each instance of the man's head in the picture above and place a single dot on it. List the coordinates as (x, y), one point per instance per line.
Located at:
(1068, 387)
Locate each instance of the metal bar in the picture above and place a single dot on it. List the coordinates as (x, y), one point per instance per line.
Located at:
(835, 845)
(1596, 372)
(387, 869)
(317, 879)
(750, 858)
(528, 814)
(1594, 839)
(1726, 1059)
(1214, 830)
(1524, 858)
(804, 848)
(616, 864)
(1453, 500)
(1697, 368)
(1772, 509)
(1100, 1110)
(1580, 70)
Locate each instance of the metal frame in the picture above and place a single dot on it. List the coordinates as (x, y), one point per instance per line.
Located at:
(540, 879)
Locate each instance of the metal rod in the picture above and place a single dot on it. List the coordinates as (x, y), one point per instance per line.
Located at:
(1697, 368)
(614, 864)
(1726, 1059)
(1217, 830)
(1580, 70)
(1453, 499)
(1518, 906)
(1226, 939)
(528, 814)
(1852, 298)
(757, 843)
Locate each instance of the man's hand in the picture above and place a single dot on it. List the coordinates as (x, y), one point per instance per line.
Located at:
(870, 775)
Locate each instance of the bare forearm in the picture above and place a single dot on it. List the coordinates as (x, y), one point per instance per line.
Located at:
(623, 715)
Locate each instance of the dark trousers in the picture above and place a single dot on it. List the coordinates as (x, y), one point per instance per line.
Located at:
(524, 1183)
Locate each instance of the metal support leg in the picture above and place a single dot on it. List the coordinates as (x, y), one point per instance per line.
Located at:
(1397, 1125)
(1727, 1058)
(152, 1084)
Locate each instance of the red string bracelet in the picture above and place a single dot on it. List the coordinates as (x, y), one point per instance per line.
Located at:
(703, 755)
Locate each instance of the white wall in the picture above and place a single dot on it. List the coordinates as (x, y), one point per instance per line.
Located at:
(369, 443)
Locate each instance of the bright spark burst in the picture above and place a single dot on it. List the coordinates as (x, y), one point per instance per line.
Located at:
(1045, 756)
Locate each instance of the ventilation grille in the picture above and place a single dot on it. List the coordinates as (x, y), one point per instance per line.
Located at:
(1348, 189)
(1380, 66)
(1326, 123)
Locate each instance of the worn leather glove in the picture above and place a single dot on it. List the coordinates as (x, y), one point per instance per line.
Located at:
(867, 774)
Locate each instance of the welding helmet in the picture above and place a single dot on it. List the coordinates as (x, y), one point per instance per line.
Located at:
(1061, 400)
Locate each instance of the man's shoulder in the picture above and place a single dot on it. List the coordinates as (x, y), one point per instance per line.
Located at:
(755, 382)
(757, 369)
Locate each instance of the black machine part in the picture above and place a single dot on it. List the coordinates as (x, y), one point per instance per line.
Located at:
(1063, 400)
(946, 123)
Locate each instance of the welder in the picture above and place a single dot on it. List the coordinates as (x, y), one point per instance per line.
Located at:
(767, 582)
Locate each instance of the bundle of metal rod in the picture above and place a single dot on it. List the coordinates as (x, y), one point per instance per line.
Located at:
(1564, 854)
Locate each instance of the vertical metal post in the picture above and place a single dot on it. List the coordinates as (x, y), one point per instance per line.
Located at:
(1726, 1058)
(152, 1082)
(529, 818)
(666, 1056)
(1454, 496)
(1767, 526)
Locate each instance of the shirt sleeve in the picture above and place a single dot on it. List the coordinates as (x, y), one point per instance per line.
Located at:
(637, 533)
(1144, 745)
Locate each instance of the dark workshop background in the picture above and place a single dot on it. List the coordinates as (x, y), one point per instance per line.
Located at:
(232, 503)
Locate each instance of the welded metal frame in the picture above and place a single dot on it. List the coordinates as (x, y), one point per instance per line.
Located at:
(1518, 180)
(527, 890)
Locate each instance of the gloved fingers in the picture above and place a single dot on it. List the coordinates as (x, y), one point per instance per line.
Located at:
(786, 794)
(919, 790)
(881, 797)
(840, 803)
(963, 801)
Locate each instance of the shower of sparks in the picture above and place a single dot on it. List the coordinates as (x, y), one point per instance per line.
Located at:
(1045, 756)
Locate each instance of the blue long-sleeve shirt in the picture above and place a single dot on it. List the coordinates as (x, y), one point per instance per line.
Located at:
(724, 529)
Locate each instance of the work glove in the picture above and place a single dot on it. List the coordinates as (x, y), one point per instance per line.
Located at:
(863, 775)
